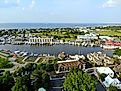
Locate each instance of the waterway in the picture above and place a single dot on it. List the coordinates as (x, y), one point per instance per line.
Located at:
(55, 49)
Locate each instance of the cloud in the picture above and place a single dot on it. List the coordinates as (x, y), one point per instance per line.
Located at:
(17, 4)
(8, 3)
(18, 1)
(111, 3)
(32, 4)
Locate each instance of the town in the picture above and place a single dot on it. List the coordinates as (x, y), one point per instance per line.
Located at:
(104, 36)
(47, 72)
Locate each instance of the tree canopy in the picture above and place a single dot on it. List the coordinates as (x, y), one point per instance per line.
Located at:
(78, 80)
(117, 52)
(112, 88)
(6, 81)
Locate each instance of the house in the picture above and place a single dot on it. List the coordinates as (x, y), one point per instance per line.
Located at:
(112, 81)
(105, 70)
(98, 58)
(71, 62)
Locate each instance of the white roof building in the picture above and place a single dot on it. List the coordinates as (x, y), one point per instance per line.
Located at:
(105, 37)
(105, 70)
(112, 81)
(88, 36)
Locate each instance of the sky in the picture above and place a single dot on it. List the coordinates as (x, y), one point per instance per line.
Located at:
(60, 11)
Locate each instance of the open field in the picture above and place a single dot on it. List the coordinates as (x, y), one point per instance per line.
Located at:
(62, 35)
(110, 33)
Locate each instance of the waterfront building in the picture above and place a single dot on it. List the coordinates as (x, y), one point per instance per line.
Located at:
(40, 40)
(2, 40)
(17, 40)
(105, 38)
(98, 58)
(112, 43)
(88, 36)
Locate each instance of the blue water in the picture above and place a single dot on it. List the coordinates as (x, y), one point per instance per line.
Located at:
(49, 25)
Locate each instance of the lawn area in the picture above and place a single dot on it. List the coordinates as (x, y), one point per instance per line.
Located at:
(31, 59)
(59, 35)
(5, 63)
(110, 33)
(19, 60)
(45, 59)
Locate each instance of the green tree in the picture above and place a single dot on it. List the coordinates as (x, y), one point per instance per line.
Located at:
(22, 84)
(77, 80)
(40, 79)
(102, 76)
(117, 52)
(112, 88)
(6, 81)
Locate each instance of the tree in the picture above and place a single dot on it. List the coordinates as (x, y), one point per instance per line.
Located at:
(40, 79)
(117, 52)
(22, 84)
(112, 88)
(78, 80)
(6, 81)
(102, 76)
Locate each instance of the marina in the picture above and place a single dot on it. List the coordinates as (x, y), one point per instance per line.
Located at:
(55, 49)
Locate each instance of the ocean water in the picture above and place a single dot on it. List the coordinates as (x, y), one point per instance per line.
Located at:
(49, 25)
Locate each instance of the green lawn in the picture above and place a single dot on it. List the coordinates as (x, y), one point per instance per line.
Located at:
(59, 35)
(19, 60)
(31, 59)
(110, 33)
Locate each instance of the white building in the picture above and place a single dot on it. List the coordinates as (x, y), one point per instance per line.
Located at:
(112, 81)
(87, 36)
(105, 70)
(40, 40)
(105, 38)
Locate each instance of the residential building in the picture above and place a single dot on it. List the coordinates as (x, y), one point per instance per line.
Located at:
(105, 70)
(98, 58)
(112, 82)
(71, 62)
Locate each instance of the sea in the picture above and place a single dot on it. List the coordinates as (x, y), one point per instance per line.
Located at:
(51, 25)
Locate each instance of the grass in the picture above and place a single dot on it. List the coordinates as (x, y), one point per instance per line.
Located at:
(19, 60)
(31, 59)
(61, 35)
(110, 33)
(45, 59)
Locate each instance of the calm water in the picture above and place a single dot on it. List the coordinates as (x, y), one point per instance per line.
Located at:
(55, 49)
(49, 25)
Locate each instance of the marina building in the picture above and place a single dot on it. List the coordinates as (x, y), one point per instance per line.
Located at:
(87, 37)
(40, 40)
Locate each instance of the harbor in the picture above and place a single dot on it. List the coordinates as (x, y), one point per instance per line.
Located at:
(54, 49)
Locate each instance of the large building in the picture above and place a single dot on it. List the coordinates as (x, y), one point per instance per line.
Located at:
(70, 62)
(40, 40)
(87, 37)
